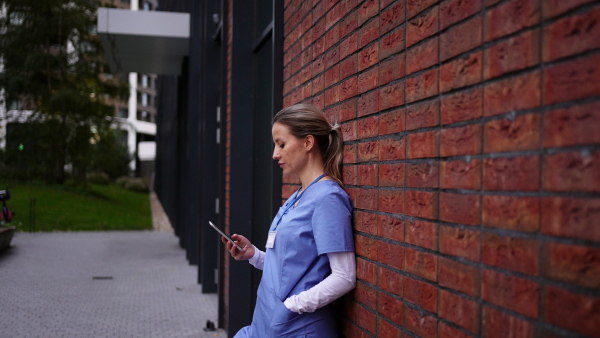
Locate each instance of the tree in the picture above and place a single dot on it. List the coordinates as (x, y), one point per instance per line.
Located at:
(54, 64)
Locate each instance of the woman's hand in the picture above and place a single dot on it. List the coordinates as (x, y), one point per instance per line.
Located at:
(234, 251)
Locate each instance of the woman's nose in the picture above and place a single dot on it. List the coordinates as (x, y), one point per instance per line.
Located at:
(275, 154)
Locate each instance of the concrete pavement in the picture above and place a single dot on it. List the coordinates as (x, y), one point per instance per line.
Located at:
(101, 284)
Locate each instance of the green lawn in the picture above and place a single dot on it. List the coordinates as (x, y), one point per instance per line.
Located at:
(68, 208)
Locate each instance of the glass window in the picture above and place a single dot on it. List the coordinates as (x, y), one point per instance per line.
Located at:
(123, 112)
(145, 81)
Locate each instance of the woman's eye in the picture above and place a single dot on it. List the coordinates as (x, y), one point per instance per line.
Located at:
(281, 145)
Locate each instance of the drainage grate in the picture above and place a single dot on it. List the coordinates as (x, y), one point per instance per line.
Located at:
(102, 277)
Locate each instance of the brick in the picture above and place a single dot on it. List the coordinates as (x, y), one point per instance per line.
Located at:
(367, 174)
(366, 199)
(333, 16)
(349, 155)
(521, 92)
(460, 39)
(421, 264)
(332, 57)
(422, 174)
(511, 212)
(350, 174)
(421, 204)
(366, 247)
(348, 88)
(462, 106)
(391, 308)
(414, 7)
(552, 8)
(332, 36)
(391, 201)
(366, 222)
(572, 80)
(520, 133)
(366, 295)
(511, 253)
(391, 95)
(576, 312)
(460, 277)
(368, 80)
(515, 174)
(392, 69)
(392, 17)
(368, 33)
(514, 293)
(332, 76)
(365, 319)
(516, 53)
(420, 293)
(572, 126)
(392, 43)
(421, 233)
(573, 264)
(572, 171)
(571, 217)
(392, 122)
(460, 208)
(460, 174)
(332, 96)
(391, 281)
(349, 67)
(386, 329)
(348, 46)
(461, 72)
(393, 148)
(423, 114)
(497, 324)
(422, 86)
(422, 56)
(367, 10)
(453, 11)
(348, 25)
(368, 127)
(392, 175)
(368, 57)
(367, 151)
(390, 254)
(318, 65)
(422, 26)
(318, 84)
(447, 331)
(391, 228)
(571, 35)
(459, 310)
(461, 141)
(368, 103)
(510, 17)
(366, 270)
(423, 144)
(348, 110)
(421, 324)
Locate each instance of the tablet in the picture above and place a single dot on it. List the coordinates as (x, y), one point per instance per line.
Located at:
(223, 234)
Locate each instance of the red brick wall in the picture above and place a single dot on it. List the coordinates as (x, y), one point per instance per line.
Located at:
(472, 154)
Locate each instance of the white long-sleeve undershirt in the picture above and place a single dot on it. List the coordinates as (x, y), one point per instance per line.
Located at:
(341, 280)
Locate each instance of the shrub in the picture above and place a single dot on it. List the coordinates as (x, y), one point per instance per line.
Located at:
(98, 178)
(137, 185)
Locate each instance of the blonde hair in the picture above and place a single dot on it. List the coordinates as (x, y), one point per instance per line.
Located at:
(303, 120)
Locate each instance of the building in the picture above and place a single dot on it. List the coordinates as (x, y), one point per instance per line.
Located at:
(471, 154)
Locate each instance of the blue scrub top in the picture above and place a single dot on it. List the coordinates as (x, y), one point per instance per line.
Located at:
(320, 223)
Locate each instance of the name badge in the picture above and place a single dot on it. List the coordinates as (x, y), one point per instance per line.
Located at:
(271, 239)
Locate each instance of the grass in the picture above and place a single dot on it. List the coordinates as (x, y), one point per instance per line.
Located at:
(70, 208)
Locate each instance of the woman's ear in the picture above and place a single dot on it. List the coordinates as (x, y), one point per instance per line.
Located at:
(309, 142)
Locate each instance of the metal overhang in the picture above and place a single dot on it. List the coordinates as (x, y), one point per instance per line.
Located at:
(144, 41)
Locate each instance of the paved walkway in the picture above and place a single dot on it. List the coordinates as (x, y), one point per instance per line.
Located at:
(101, 284)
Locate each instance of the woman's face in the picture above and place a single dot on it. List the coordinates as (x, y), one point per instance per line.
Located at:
(290, 151)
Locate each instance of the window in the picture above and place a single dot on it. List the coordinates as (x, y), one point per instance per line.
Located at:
(145, 81)
(145, 99)
(123, 112)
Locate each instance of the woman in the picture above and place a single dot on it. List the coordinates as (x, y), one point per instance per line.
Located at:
(309, 260)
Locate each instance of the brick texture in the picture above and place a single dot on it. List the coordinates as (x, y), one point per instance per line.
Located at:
(471, 154)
